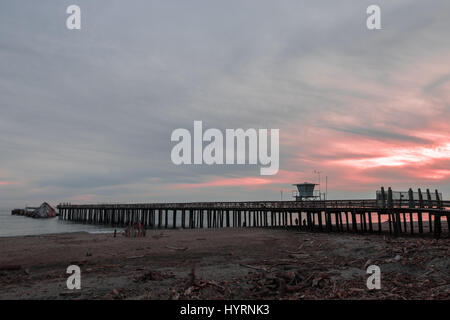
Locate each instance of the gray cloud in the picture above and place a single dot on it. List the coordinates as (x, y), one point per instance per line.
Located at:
(91, 111)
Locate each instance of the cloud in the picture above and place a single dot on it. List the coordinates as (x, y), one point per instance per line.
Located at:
(88, 115)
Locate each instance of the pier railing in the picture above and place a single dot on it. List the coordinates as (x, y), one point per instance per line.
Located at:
(265, 205)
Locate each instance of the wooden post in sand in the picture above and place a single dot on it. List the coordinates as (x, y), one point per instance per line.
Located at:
(183, 218)
(308, 220)
(325, 220)
(159, 218)
(166, 218)
(412, 205)
(202, 218)
(346, 221)
(245, 218)
(437, 225)
(404, 221)
(336, 221)
(144, 217)
(370, 221)
(174, 213)
(319, 218)
(437, 217)
(430, 205)
(379, 222)
(239, 215)
(411, 222)
(419, 214)
(152, 218)
(210, 218)
(362, 222)
(190, 218)
(354, 224)
(215, 218)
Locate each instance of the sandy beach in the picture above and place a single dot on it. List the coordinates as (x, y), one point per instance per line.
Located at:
(224, 264)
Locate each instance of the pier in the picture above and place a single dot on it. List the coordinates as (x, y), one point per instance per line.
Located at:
(385, 215)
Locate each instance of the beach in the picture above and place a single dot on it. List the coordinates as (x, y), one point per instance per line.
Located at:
(224, 264)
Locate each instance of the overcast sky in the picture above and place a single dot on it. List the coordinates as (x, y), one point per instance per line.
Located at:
(86, 115)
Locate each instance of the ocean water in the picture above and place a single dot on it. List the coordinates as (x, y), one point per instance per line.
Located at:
(11, 226)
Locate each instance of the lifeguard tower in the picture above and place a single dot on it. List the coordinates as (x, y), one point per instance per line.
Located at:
(305, 191)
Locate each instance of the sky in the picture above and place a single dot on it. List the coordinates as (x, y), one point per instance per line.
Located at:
(86, 115)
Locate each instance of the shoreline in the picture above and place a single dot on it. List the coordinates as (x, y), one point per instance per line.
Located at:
(224, 264)
(18, 226)
(107, 229)
(54, 234)
(59, 233)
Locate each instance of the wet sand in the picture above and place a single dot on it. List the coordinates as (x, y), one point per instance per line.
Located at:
(224, 264)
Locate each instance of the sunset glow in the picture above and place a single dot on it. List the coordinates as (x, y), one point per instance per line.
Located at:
(366, 108)
(401, 157)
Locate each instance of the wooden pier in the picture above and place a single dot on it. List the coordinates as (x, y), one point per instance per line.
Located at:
(358, 216)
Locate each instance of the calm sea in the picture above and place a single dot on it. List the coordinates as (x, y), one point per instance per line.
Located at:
(22, 226)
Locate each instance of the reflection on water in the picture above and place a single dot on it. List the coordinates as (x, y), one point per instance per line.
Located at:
(21, 226)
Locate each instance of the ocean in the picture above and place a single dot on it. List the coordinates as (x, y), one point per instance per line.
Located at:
(11, 226)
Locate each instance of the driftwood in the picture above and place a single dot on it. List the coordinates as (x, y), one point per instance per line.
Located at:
(253, 267)
(135, 257)
(177, 248)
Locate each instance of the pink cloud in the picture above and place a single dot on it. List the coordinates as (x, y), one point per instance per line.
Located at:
(283, 177)
(224, 182)
(377, 133)
(400, 157)
(8, 183)
(353, 162)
